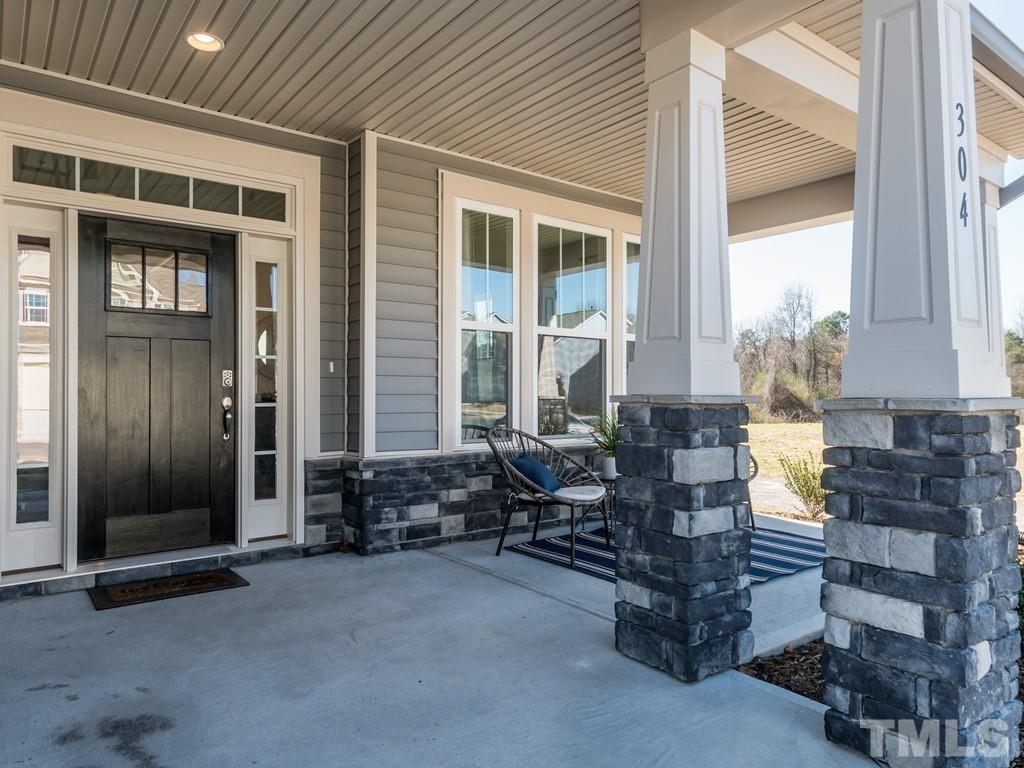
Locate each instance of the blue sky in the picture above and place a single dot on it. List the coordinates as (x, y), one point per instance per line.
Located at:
(820, 258)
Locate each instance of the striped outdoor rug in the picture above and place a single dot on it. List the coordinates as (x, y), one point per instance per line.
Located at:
(773, 553)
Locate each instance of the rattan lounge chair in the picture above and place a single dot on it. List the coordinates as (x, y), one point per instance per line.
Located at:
(580, 489)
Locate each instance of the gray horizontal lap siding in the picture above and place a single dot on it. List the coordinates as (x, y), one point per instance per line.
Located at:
(407, 296)
(333, 301)
(407, 384)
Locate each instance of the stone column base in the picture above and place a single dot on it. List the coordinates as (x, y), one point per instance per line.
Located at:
(921, 581)
(681, 508)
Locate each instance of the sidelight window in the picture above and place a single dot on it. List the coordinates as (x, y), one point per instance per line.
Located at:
(33, 381)
(266, 352)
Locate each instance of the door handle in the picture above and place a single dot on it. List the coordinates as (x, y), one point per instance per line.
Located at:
(228, 417)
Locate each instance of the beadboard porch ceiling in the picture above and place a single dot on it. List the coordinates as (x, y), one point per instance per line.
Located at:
(550, 86)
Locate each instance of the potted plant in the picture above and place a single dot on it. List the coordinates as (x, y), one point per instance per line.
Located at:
(606, 437)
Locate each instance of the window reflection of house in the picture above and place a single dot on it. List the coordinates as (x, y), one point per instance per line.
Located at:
(33, 380)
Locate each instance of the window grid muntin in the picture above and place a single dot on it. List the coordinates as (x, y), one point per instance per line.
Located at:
(178, 252)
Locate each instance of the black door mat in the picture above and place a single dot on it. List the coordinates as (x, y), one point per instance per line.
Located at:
(149, 590)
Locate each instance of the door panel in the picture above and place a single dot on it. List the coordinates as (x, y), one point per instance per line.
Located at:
(127, 428)
(155, 472)
(190, 434)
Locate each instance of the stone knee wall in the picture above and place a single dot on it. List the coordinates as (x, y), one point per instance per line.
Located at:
(390, 504)
(681, 506)
(921, 584)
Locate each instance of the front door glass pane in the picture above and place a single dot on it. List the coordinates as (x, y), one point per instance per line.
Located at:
(33, 381)
(570, 384)
(125, 276)
(191, 282)
(485, 382)
(159, 279)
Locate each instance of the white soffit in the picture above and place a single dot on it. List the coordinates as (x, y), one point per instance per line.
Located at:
(550, 86)
(999, 109)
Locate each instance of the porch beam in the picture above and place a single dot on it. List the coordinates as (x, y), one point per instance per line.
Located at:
(793, 74)
(728, 22)
(809, 205)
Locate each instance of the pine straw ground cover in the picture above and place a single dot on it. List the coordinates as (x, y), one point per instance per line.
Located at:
(800, 670)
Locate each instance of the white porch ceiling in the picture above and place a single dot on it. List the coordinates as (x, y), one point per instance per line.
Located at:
(1000, 111)
(550, 86)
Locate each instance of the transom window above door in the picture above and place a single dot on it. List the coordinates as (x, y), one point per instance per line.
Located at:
(148, 279)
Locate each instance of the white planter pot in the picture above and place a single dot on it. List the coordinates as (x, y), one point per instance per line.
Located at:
(608, 468)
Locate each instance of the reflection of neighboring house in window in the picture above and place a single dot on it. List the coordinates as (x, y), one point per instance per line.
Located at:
(35, 306)
(33, 367)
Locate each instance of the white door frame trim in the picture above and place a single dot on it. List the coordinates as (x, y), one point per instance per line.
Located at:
(301, 231)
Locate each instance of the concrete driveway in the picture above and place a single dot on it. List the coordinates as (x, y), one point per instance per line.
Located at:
(432, 658)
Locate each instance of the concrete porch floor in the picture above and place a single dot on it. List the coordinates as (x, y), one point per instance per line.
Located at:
(447, 657)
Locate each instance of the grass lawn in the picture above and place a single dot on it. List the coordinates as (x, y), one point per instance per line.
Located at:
(769, 441)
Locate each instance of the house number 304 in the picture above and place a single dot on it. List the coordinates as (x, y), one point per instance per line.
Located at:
(961, 159)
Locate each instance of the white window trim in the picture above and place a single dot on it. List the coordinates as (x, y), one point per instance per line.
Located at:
(581, 216)
(513, 328)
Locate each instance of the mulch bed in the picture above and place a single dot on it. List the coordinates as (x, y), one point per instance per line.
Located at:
(799, 670)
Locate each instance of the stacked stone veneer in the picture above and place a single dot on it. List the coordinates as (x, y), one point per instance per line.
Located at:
(683, 591)
(388, 504)
(921, 583)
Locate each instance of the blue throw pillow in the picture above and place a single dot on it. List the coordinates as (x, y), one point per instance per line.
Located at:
(536, 472)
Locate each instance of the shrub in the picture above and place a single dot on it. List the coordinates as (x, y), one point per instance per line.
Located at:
(803, 478)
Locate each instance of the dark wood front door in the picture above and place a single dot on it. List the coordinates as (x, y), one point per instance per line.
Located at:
(156, 360)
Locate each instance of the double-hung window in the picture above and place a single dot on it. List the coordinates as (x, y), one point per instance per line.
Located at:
(572, 327)
(487, 244)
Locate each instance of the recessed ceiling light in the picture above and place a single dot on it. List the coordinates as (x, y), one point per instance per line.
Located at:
(204, 41)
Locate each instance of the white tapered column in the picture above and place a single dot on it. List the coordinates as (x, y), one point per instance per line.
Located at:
(923, 322)
(684, 339)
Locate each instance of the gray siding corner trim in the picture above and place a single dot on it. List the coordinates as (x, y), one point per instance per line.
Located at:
(353, 282)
